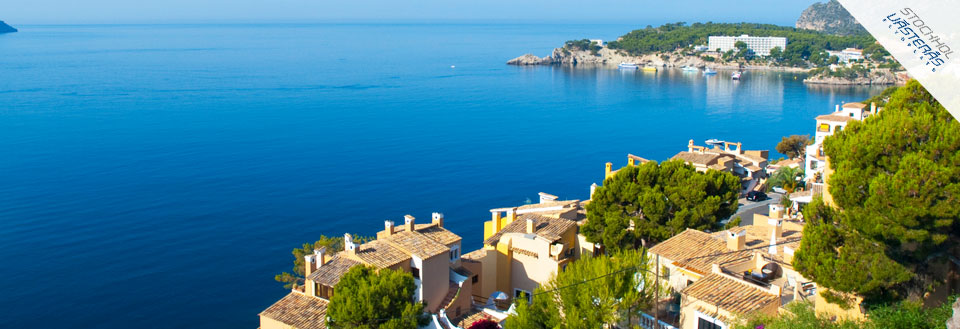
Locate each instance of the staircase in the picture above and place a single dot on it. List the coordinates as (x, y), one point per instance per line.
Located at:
(451, 295)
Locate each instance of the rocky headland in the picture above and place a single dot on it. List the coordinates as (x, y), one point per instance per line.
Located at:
(4, 28)
(874, 77)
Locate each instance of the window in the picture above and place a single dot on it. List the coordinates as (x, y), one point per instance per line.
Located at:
(416, 272)
(476, 278)
(454, 253)
(520, 292)
(824, 128)
(707, 324)
(813, 164)
(838, 128)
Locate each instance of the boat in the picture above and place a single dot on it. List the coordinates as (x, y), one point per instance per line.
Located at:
(690, 69)
(714, 141)
(628, 66)
(736, 75)
(708, 71)
(650, 68)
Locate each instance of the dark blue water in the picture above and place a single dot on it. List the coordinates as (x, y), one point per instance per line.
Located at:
(158, 176)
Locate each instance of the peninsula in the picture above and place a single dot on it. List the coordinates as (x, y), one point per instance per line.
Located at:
(4, 28)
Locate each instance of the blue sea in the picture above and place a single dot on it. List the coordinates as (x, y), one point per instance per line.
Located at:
(157, 176)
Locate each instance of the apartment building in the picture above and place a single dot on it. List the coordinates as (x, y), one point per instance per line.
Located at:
(759, 45)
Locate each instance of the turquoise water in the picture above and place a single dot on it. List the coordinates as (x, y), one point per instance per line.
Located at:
(157, 176)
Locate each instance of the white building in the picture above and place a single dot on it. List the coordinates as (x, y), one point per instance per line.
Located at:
(827, 125)
(599, 42)
(847, 55)
(759, 45)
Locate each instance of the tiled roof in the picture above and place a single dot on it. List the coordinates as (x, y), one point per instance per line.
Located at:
(834, 118)
(753, 158)
(732, 295)
(638, 159)
(439, 234)
(416, 243)
(547, 227)
(381, 254)
(474, 255)
(854, 105)
(696, 157)
(696, 250)
(299, 311)
(549, 204)
(329, 274)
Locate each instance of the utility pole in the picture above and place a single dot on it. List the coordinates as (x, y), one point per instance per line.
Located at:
(656, 296)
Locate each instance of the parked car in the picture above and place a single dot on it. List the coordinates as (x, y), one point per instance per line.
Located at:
(756, 196)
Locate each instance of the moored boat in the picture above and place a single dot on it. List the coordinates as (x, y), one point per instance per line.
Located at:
(709, 71)
(690, 69)
(628, 66)
(650, 68)
(736, 75)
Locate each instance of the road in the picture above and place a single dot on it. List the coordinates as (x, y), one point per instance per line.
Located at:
(748, 208)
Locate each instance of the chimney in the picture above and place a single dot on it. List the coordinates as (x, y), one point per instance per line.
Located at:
(497, 220)
(321, 256)
(309, 264)
(608, 170)
(630, 161)
(690, 146)
(511, 215)
(438, 219)
(776, 211)
(838, 108)
(593, 188)
(348, 245)
(408, 223)
(873, 108)
(546, 197)
(529, 226)
(736, 241)
(739, 148)
(775, 234)
(388, 227)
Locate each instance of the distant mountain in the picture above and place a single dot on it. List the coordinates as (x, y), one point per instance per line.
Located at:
(829, 17)
(4, 28)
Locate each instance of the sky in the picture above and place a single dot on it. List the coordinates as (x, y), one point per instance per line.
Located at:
(782, 12)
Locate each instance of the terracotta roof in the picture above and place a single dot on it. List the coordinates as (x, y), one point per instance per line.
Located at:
(474, 255)
(753, 158)
(696, 157)
(854, 105)
(549, 204)
(547, 227)
(696, 250)
(416, 243)
(299, 311)
(639, 160)
(732, 295)
(439, 234)
(834, 118)
(381, 254)
(329, 274)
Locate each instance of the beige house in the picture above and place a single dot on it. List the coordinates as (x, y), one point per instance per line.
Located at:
(525, 246)
(429, 252)
(737, 272)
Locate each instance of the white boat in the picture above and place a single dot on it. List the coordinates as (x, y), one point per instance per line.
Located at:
(628, 66)
(708, 71)
(690, 69)
(736, 75)
(714, 141)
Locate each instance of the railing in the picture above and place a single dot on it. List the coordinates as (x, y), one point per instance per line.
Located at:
(648, 322)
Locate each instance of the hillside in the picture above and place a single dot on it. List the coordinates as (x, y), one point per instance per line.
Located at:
(829, 17)
(4, 28)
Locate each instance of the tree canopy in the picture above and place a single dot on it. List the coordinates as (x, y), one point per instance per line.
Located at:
(902, 315)
(787, 178)
(592, 293)
(660, 200)
(366, 298)
(793, 146)
(897, 186)
(333, 245)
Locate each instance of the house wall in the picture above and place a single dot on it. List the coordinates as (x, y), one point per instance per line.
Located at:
(268, 323)
(688, 312)
(462, 303)
(435, 280)
(821, 305)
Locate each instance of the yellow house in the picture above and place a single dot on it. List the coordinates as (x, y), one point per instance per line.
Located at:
(525, 246)
(429, 252)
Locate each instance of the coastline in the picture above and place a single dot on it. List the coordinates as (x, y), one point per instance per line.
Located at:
(610, 57)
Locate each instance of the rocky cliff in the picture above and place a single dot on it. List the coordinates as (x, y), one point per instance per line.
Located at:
(829, 17)
(4, 28)
(874, 77)
(607, 56)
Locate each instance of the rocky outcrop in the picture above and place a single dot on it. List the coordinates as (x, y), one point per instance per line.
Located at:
(874, 77)
(529, 59)
(829, 17)
(4, 28)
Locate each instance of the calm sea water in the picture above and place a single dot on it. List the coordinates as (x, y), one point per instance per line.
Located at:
(157, 176)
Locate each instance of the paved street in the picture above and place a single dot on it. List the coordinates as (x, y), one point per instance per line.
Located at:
(748, 208)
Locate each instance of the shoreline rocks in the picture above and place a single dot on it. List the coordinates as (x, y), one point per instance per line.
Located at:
(529, 59)
(876, 77)
(4, 28)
